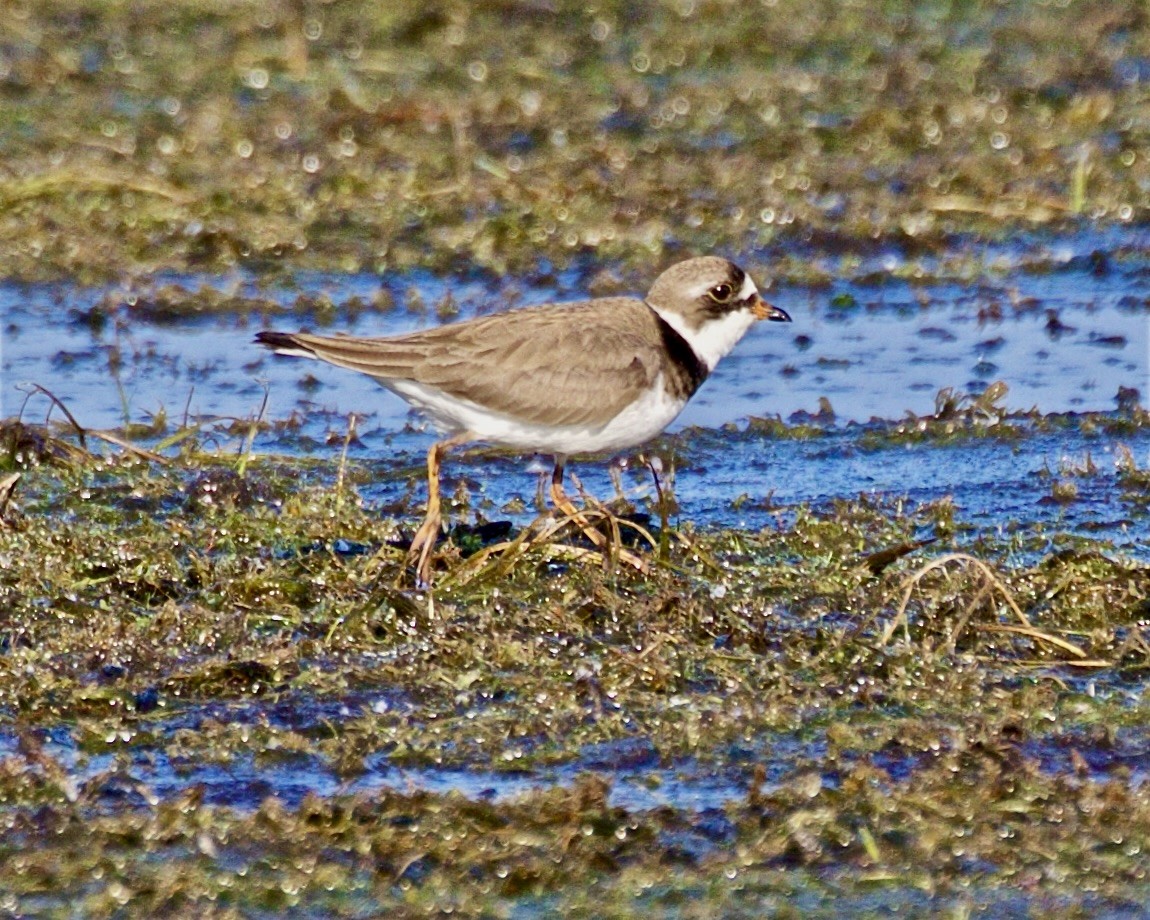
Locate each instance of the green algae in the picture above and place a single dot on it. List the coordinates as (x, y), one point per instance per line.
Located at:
(904, 719)
(202, 136)
(932, 711)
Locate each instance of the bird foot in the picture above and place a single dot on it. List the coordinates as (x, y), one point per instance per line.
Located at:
(419, 553)
(609, 547)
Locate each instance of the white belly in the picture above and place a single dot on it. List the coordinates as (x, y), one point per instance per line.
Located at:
(639, 422)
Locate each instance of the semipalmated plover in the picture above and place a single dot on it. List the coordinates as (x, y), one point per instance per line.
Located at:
(560, 379)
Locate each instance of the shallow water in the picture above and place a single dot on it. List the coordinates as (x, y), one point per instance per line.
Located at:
(872, 349)
(132, 771)
(874, 344)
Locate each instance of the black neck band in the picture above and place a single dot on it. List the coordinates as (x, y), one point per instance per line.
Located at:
(688, 371)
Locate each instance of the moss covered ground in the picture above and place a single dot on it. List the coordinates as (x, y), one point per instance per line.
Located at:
(214, 700)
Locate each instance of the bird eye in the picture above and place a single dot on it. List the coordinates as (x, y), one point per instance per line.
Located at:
(720, 293)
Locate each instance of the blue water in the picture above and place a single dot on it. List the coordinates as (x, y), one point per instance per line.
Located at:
(877, 343)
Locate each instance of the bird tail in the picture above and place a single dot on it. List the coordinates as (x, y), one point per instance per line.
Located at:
(381, 358)
(285, 343)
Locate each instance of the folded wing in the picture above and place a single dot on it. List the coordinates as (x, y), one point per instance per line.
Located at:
(590, 369)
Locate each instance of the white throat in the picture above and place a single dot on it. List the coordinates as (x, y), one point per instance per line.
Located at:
(714, 339)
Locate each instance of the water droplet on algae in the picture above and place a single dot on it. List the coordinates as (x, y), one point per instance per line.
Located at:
(257, 78)
(530, 102)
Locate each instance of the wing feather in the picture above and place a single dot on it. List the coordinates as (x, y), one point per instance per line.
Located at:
(589, 359)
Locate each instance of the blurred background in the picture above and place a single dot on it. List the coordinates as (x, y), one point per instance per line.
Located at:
(359, 136)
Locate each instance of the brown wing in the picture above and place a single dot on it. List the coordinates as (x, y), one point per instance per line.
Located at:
(590, 360)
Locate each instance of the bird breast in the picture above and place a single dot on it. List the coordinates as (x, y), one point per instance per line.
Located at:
(638, 422)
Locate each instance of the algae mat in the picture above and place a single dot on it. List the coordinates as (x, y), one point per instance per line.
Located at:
(891, 666)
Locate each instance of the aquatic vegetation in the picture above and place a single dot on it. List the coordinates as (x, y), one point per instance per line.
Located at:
(858, 698)
(826, 696)
(344, 137)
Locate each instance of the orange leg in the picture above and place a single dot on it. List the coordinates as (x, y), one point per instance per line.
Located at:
(603, 544)
(428, 533)
(563, 504)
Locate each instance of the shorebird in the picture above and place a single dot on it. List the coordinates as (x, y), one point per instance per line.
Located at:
(572, 378)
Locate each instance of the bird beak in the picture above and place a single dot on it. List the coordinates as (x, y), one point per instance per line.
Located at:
(768, 311)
